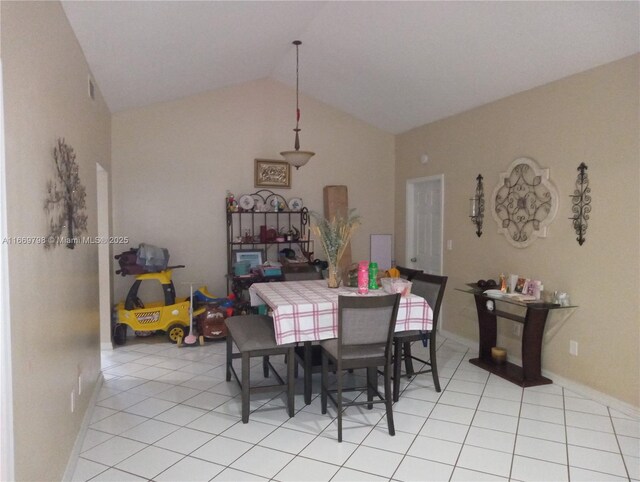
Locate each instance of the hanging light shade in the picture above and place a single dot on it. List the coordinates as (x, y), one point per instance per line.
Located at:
(297, 157)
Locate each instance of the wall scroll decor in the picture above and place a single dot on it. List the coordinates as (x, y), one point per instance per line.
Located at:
(272, 173)
(525, 202)
(581, 203)
(65, 199)
(476, 208)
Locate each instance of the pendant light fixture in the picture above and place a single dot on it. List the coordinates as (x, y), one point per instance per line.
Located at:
(297, 157)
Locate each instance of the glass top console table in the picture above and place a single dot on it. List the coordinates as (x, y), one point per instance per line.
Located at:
(534, 320)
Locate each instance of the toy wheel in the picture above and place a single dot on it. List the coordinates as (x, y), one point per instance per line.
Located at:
(176, 332)
(120, 334)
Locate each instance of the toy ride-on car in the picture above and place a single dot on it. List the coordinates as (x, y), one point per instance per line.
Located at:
(170, 315)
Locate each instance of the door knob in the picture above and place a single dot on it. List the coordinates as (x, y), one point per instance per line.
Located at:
(413, 260)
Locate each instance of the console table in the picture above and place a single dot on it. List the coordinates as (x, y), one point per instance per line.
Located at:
(534, 320)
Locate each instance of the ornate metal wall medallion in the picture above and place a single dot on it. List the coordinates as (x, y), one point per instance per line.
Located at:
(525, 202)
(66, 199)
(476, 209)
(581, 206)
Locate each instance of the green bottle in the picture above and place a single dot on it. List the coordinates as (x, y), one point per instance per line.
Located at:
(373, 276)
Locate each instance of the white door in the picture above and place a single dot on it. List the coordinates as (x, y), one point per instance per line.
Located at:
(424, 224)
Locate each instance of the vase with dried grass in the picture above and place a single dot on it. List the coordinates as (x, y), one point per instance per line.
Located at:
(334, 236)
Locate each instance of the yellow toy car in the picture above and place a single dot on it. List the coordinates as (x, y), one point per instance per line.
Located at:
(170, 315)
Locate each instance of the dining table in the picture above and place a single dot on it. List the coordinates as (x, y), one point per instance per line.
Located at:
(307, 312)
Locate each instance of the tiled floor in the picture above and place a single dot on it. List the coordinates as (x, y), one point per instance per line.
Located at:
(167, 414)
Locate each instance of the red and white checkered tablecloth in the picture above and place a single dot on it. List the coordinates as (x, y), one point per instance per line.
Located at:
(308, 310)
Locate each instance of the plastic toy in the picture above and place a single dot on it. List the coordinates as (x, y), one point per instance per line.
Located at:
(170, 315)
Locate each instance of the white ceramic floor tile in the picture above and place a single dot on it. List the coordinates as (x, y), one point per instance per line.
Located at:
(150, 407)
(150, 431)
(191, 469)
(149, 462)
(184, 440)
(541, 449)
(534, 470)
(181, 415)
(188, 412)
(491, 439)
(582, 475)
(374, 461)
(414, 469)
(118, 423)
(115, 475)
(485, 460)
(435, 449)
(221, 450)
(454, 432)
(262, 461)
(350, 475)
(328, 450)
(287, 440)
(228, 475)
(466, 475)
(303, 470)
(114, 450)
(87, 469)
(495, 421)
(598, 460)
(214, 422)
(251, 432)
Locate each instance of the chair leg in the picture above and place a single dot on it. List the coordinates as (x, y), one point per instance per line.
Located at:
(408, 361)
(387, 398)
(308, 368)
(397, 363)
(245, 387)
(291, 382)
(433, 361)
(265, 366)
(372, 381)
(339, 372)
(323, 384)
(229, 356)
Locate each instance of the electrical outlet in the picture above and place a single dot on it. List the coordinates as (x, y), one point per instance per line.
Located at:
(517, 329)
(573, 347)
(449, 244)
(73, 401)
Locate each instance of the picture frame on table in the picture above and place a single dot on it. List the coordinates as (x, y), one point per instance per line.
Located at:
(256, 257)
(522, 285)
(270, 173)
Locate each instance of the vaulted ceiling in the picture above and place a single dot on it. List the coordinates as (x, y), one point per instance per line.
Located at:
(396, 65)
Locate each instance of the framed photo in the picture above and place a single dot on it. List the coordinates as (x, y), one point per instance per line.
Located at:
(272, 173)
(522, 285)
(254, 256)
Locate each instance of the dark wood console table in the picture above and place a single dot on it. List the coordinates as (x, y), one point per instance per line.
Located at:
(534, 320)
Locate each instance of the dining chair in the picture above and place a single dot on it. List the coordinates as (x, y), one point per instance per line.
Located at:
(309, 350)
(365, 334)
(254, 336)
(431, 288)
(408, 273)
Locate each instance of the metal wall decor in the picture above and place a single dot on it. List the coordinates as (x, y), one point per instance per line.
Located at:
(476, 208)
(525, 202)
(581, 206)
(66, 199)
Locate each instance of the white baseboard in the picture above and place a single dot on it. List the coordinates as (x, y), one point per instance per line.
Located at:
(106, 346)
(567, 383)
(77, 446)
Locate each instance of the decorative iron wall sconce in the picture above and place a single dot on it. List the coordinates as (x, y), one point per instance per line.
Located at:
(476, 207)
(581, 203)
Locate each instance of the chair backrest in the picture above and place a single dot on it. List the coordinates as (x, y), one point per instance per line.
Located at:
(305, 275)
(367, 320)
(408, 273)
(431, 288)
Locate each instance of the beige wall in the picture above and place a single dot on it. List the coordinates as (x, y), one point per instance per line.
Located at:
(53, 294)
(173, 162)
(591, 117)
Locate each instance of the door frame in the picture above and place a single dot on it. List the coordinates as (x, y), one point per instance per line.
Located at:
(410, 212)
